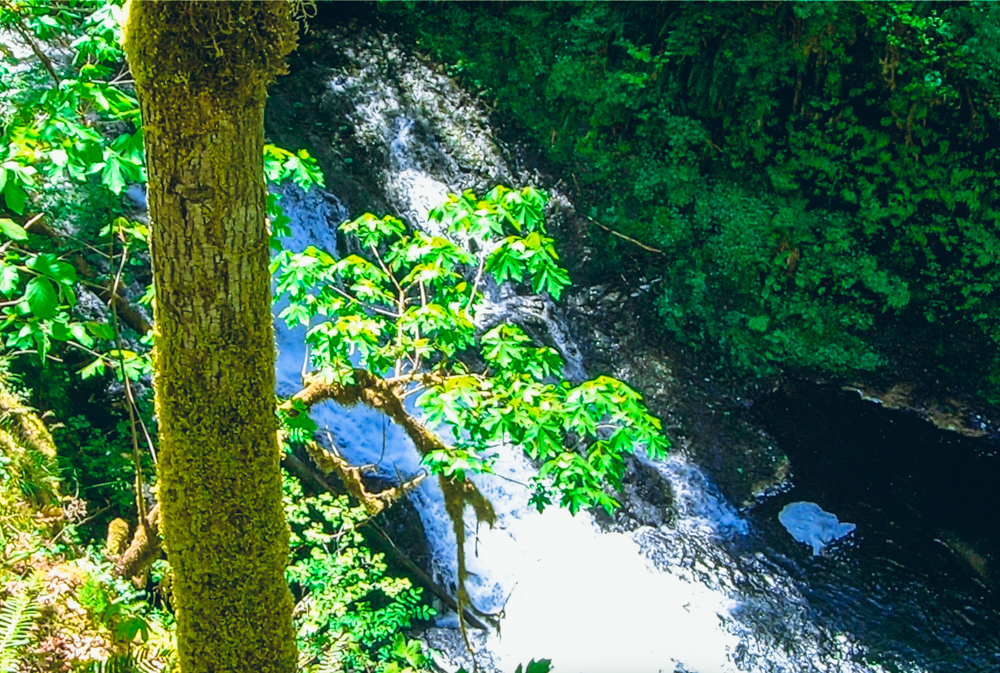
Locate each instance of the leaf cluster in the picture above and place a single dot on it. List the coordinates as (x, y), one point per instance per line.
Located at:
(351, 611)
(140, 635)
(96, 458)
(56, 115)
(405, 310)
(405, 302)
(39, 290)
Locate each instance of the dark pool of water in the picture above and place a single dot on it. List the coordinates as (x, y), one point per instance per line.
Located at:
(918, 583)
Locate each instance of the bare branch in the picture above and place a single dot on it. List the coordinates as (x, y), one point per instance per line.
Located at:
(624, 237)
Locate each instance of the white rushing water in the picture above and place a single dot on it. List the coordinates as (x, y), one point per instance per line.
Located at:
(591, 601)
(588, 600)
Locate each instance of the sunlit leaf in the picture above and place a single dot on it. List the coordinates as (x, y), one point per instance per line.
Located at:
(41, 297)
(12, 230)
(15, 197)
(9, 278)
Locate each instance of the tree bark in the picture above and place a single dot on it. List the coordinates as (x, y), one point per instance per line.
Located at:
(201, 70)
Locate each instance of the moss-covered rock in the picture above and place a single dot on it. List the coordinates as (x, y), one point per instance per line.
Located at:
(28, 453)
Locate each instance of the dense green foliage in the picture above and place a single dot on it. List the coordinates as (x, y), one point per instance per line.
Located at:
(820, 177)
(404, 311)
(71, 144)
(350, 612)
(60, 121)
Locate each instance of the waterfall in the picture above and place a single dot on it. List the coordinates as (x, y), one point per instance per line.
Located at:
(556, 578)
(593, 601)
(710, 589)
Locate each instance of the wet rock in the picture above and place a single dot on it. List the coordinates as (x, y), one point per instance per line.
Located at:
(956, 413)
(449, 654)
(381, 121)
(647, 500)
(807, 522)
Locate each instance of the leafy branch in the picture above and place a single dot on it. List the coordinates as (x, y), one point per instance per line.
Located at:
(401, 321)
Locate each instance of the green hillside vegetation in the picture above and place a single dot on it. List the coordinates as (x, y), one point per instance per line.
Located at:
(821, 178)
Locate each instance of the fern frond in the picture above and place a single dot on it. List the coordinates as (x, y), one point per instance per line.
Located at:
(154, 659)
(332, 659)
(17, 616)
(140, 660)
(116, 663)
(331, 662)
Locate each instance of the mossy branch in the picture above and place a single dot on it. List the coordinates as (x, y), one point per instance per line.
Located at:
(305, 473)
(142, 551)
(377, 393)
(374, 503)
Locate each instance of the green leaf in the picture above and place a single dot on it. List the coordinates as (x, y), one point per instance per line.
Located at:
(17, 617)
(550, 278)
(15, 197)
(95, 368)
(13, 230)
(56, 269)
(506, 262)
(540, 666)
(79, 332)
(41, 297)
(409, 651)
(60, 331)
(113, 175)
(9, 277)
(101, 330)
(296, 314)
(503, 345)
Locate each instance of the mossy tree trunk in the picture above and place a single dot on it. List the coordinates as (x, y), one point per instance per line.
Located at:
(201, 70)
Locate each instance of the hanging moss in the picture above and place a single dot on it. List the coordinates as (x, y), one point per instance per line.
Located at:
(29, 450)
(230, 50)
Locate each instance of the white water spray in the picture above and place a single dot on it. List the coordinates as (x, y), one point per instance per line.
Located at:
(591, 601)
(586, 599)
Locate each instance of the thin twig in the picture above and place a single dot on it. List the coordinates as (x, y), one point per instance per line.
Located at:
(149, 440)
(305, 364)
(366, 305)
(46, 63)
(627, 238)
(140, 498)
(385, 269)
(475, 284)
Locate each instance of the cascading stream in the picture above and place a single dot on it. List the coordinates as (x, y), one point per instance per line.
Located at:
(592, 601)
(711, 589)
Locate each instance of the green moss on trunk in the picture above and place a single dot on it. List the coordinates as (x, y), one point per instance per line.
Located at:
(201, 69)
